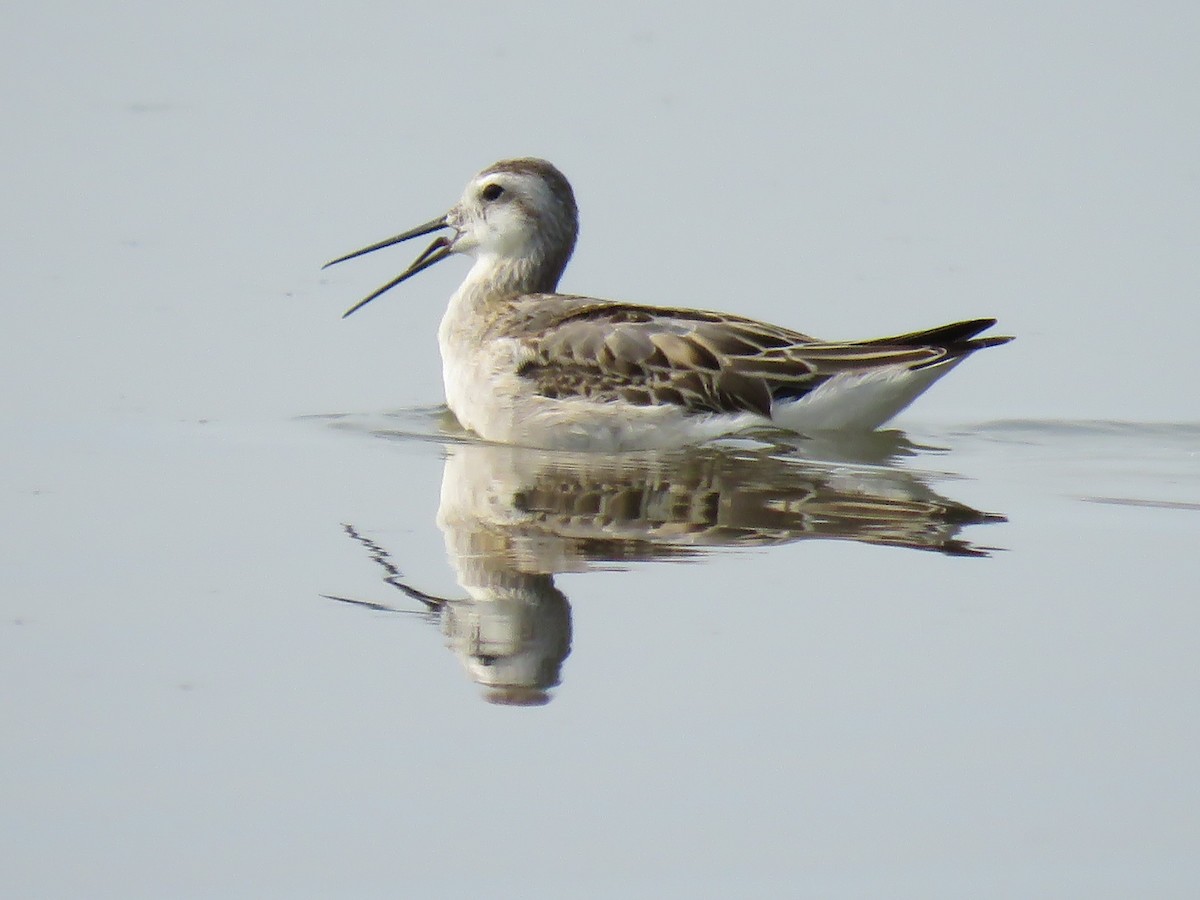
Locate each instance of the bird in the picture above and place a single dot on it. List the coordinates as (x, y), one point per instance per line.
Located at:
(523, 364)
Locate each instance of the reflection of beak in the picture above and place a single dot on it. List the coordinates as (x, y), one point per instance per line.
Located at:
(435, 252)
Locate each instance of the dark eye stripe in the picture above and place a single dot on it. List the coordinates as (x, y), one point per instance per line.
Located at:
(491, 192)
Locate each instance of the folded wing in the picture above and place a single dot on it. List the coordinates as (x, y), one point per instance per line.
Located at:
(706, 362)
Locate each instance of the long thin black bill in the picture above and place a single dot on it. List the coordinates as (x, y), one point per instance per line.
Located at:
(427, 228)
(434, 253)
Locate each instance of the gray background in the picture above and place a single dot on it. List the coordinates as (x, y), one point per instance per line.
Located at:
(177, 177)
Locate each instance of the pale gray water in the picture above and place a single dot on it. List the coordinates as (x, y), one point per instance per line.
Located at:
(778, 684)
(191, 717)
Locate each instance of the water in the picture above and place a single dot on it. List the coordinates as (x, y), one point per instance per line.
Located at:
(271, 627)
(935, 660)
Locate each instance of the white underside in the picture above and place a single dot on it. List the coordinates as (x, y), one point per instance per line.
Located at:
(852, 402)
(501, 410)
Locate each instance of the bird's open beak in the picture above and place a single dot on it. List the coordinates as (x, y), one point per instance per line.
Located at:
(434, 253)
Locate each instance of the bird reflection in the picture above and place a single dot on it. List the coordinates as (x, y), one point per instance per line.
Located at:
(512, 518)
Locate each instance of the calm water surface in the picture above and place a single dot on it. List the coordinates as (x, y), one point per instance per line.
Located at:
(364, 655)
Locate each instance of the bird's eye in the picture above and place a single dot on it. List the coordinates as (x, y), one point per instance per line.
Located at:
(491, 192)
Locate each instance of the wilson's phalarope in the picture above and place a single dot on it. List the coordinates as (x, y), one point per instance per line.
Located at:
(525, 365)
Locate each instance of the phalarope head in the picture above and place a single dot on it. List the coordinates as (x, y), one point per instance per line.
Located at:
(520, 214)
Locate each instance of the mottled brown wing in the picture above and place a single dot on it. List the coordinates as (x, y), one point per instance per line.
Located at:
(701, 361)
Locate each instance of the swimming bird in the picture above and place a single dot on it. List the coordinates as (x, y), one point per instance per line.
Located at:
(523, 364)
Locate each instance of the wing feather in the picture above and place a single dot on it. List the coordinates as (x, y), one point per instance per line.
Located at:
(704, 362)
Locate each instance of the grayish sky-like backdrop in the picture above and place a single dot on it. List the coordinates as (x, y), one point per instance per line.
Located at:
(175, 178)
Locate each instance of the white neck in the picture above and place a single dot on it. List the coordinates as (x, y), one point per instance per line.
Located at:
(500, 276)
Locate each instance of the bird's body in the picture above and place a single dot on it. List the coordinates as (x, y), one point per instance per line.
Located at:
(525, 365)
